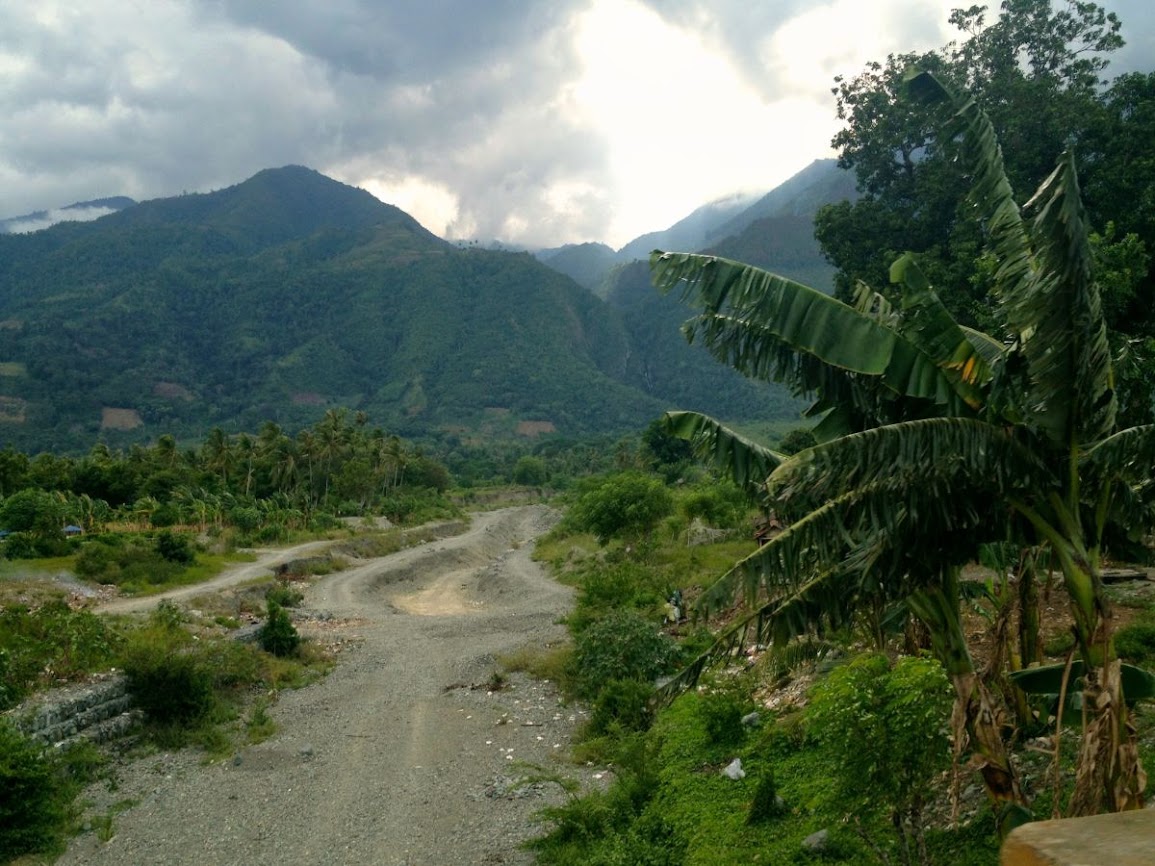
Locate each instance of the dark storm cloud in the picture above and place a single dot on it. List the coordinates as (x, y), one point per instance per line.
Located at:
(152, 99)
(149, 98)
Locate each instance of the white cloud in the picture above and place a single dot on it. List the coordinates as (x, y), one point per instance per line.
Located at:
(539, 123)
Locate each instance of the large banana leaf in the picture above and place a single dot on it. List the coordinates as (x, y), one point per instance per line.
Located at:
(746, 462)
(1060, 317)
(751, 315)
(1048, 299)
(1138, 684)
(928, 324)
(990, 190)
(952, 451)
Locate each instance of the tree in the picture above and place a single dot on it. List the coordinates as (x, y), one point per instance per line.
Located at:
(530, 471)
(1036, 69)
(899, 710)
(943, 438)
(627, 505)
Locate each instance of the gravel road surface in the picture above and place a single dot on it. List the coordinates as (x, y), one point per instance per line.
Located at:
(394, 758)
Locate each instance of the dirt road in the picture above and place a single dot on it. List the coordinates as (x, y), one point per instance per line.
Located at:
(392, 759)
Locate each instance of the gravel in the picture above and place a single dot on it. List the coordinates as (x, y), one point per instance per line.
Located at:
(401, 755)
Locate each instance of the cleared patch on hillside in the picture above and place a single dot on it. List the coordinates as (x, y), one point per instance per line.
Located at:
(307, 398)
(13, 369)
(11, 324)
(172, 391)
(535, 428)
(13, 410)
(119, 419)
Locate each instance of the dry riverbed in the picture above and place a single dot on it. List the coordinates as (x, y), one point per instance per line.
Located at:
(401, 755)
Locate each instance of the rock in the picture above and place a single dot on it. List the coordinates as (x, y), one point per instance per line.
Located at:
(817, 842)
(751, 720)
(306, 751)
(734, 770)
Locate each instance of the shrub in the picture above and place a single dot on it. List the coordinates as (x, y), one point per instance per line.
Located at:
(21, 545)
(175, 548)
(766, 804)
(622, 646)
(278, 635)
(1136, 642)
(628, 505)
(31, 807)
(172, 683)
(52, 641)
(722, 717)
(621, 705)
(283, 594)
(901, 713)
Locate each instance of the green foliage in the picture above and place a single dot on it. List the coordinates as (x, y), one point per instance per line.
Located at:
(135, 565)
(1136, 642)
(48, 644)
(173, 547)
(901, 711)
(284, 595)
(798, 439)
(621, 646)
(628, 506)
(32, 810)
(766, 804)
(722, 718)
(621, 706)
(530, 471)
(278, 635)
(170, 678)
(722, 504)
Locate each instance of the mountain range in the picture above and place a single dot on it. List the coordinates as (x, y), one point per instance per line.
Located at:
(291, 293)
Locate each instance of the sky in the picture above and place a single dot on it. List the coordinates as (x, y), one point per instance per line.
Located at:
(532, 122)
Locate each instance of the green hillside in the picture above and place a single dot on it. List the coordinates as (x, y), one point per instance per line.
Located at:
(291, 293)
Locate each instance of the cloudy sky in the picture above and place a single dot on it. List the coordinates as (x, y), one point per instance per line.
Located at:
(537, 122)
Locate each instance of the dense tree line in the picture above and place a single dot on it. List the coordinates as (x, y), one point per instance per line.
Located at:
(338, 466)
(1038, 69)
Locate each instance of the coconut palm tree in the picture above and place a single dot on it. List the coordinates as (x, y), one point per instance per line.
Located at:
(938, 438)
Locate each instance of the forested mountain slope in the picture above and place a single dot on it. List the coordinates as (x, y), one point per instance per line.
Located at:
(288, 294)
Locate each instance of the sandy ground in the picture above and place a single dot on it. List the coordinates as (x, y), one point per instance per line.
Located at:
(393, 758)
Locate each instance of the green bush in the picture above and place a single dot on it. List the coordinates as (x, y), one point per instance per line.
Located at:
(621, 705)
(283, 594)
(1136, 642)
(278, 635)
(622, 646)
(722, 716)
(766, 804)
(628, 505)
(52, 642)
(32, 810)
(173, 547)
(21, 545)
(884, 728)
(172, 682)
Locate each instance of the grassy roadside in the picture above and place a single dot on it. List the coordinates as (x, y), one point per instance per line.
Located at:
(798, 798)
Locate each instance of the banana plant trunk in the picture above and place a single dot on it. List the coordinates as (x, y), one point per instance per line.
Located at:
(975, 720)
(1109, 775)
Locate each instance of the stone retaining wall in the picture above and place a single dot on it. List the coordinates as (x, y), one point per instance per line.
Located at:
(97, 711)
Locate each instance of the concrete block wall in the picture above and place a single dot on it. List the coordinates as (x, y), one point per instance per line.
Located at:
(97, 711)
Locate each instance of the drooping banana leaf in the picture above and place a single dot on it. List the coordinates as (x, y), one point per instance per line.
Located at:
(750, 313)
(928, 324)
(907, 454)
(1138, 684)
(746, 462)
(1047, 297)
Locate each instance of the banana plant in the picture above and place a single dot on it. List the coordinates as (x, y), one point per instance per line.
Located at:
(937, 438)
